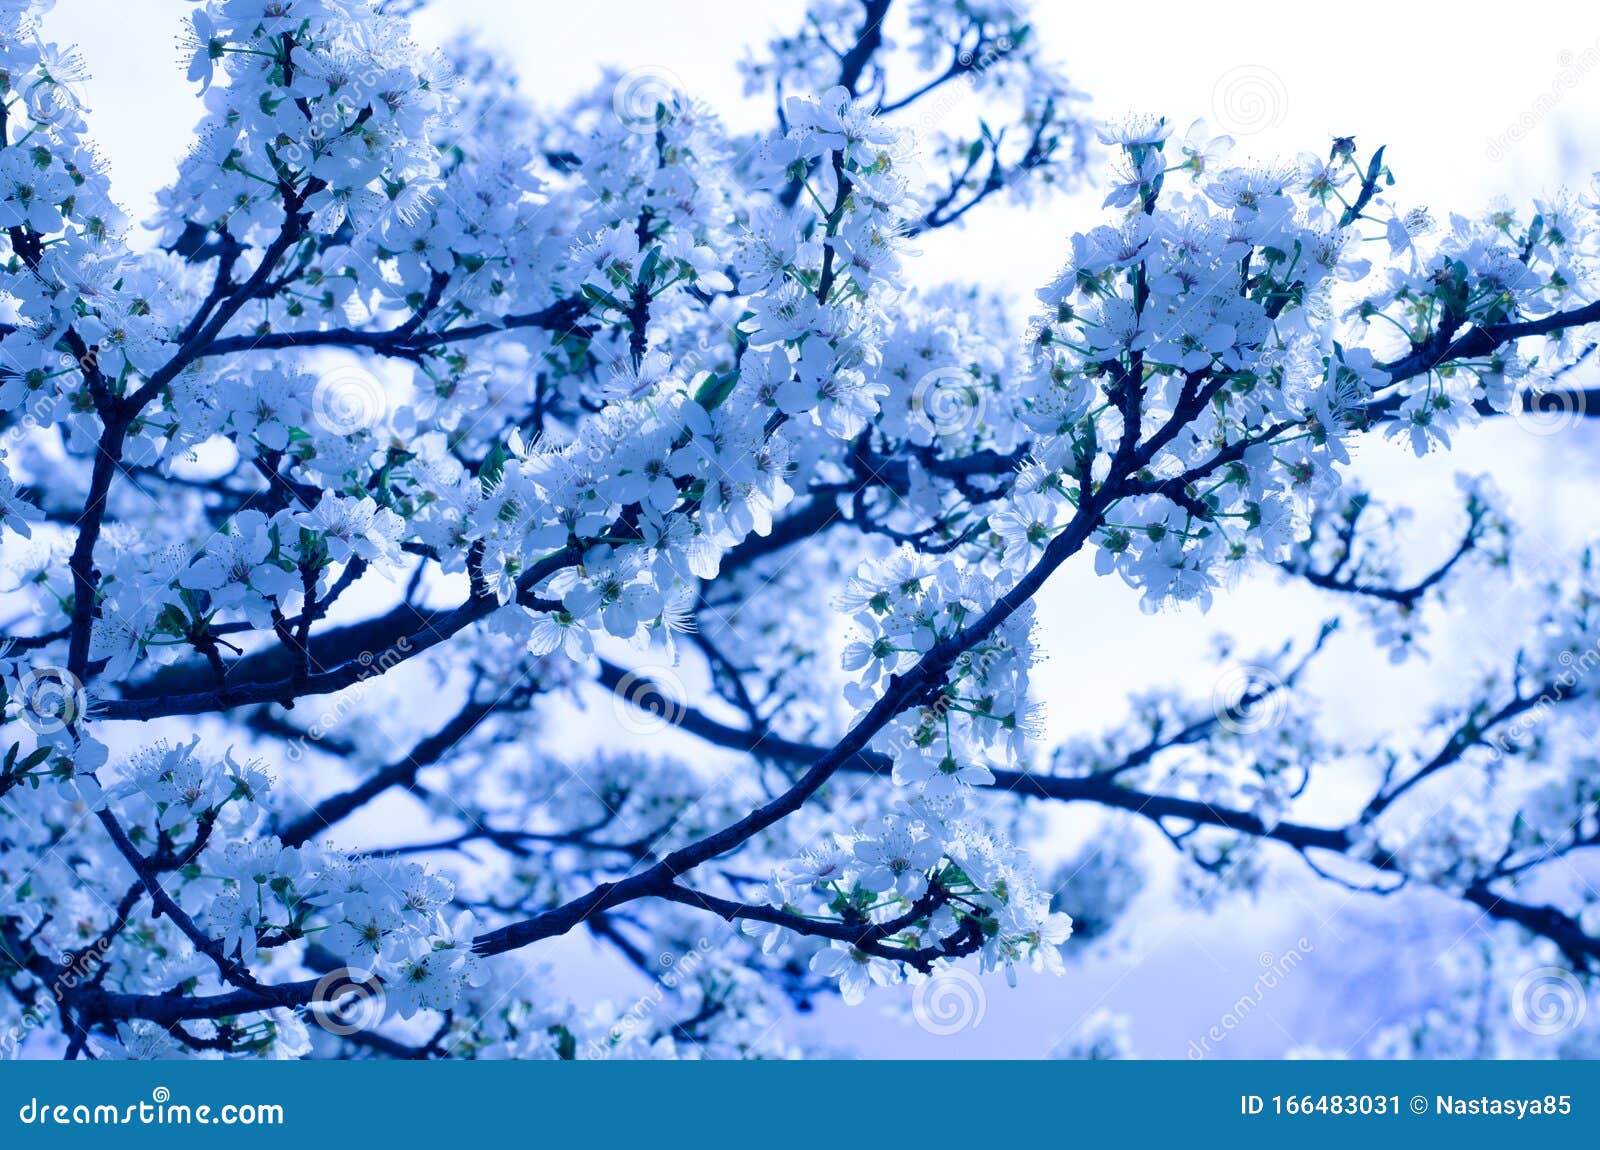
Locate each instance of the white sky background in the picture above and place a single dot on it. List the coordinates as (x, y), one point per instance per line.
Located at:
(1435, 83)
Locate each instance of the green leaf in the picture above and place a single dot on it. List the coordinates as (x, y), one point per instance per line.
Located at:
(493, 466)
(1376, 165)
(36, 757)
(603, 298)
(715, 389)
(566, 1044)
(652, 261)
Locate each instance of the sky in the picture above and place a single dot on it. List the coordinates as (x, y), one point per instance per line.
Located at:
(1474, 103)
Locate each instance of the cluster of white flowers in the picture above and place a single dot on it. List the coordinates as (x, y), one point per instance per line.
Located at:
(204, 826)
(580, 384)
(923, 881)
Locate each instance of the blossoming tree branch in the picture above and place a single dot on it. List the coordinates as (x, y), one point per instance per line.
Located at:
(432, 424)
